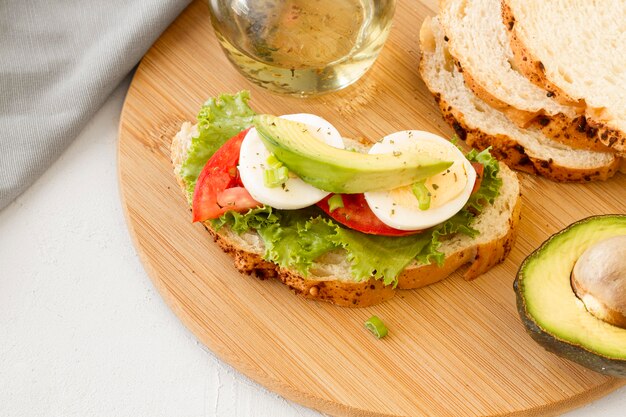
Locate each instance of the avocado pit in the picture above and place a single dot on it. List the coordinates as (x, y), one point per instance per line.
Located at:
(599, 280)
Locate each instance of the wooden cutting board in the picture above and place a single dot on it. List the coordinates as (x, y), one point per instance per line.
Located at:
(455, 348)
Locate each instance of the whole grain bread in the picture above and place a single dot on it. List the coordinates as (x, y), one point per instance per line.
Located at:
(481, 126)
(576, 52)
(330, 279)
(479, 44)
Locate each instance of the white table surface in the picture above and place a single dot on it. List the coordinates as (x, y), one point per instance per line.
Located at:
(83, 332)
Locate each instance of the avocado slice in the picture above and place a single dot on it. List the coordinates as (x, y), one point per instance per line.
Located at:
(338, 170)
(552, 313)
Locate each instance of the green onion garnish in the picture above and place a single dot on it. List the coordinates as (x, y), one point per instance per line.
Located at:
(275, 177)
(273, 162)
(376, 326)
(422, 194)
(335, 202)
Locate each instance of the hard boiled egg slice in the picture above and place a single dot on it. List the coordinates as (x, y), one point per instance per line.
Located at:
(449, 190)
(294, 193)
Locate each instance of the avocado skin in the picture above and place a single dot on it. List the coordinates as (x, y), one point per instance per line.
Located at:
(575, 353)
(593, 361)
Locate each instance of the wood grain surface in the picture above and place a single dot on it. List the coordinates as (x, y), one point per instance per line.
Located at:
(455, 348)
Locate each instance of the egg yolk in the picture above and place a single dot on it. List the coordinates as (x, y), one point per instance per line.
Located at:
(443, 187)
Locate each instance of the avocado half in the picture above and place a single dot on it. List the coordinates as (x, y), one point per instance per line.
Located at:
(552, 313)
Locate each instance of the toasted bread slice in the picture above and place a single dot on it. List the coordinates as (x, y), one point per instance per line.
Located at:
(479, 44)
(330, 279)
(481, 126)
(576, 53)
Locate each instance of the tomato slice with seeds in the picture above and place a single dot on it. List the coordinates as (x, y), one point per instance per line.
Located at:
(357, 215)
(219, 188)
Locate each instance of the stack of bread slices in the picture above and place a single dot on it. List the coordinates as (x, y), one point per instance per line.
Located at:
(541, 82)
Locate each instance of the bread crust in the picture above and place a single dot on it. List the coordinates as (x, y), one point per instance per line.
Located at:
(615, 139)
(480, 257)
(508, 150)
(521, 118)
(534, 70)
(573, 132)
(577, 133)
(528, 65)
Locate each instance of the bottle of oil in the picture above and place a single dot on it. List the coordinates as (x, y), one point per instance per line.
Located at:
(302, 47)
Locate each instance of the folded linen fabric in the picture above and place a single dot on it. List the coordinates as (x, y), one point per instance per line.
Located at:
(59, 61)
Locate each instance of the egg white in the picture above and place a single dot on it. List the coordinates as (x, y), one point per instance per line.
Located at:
(398, 208)
(294, 193)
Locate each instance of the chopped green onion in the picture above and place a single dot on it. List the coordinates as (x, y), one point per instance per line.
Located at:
(422, 194)
(275, 177)
(335, 202)
(273, 162)
(376, 326)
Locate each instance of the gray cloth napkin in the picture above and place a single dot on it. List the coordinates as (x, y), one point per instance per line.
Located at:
(59, 61)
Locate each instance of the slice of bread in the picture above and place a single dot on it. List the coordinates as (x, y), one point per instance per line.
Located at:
(479, 44)
(576, 52)
(481, 126)
(330, 279)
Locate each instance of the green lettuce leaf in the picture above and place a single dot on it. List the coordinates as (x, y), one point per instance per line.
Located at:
(459, 223)
(297, 239)
(254, 219)
(380, 257)
(315, 241)
(491, 184)
(219, 119)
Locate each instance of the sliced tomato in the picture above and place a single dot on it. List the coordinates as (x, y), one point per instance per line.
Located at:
(237, 197)
(219, 188)
(480, 169)
(357, 215)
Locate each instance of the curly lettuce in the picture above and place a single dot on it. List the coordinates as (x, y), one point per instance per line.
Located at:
(220, 119)
(491, 183)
